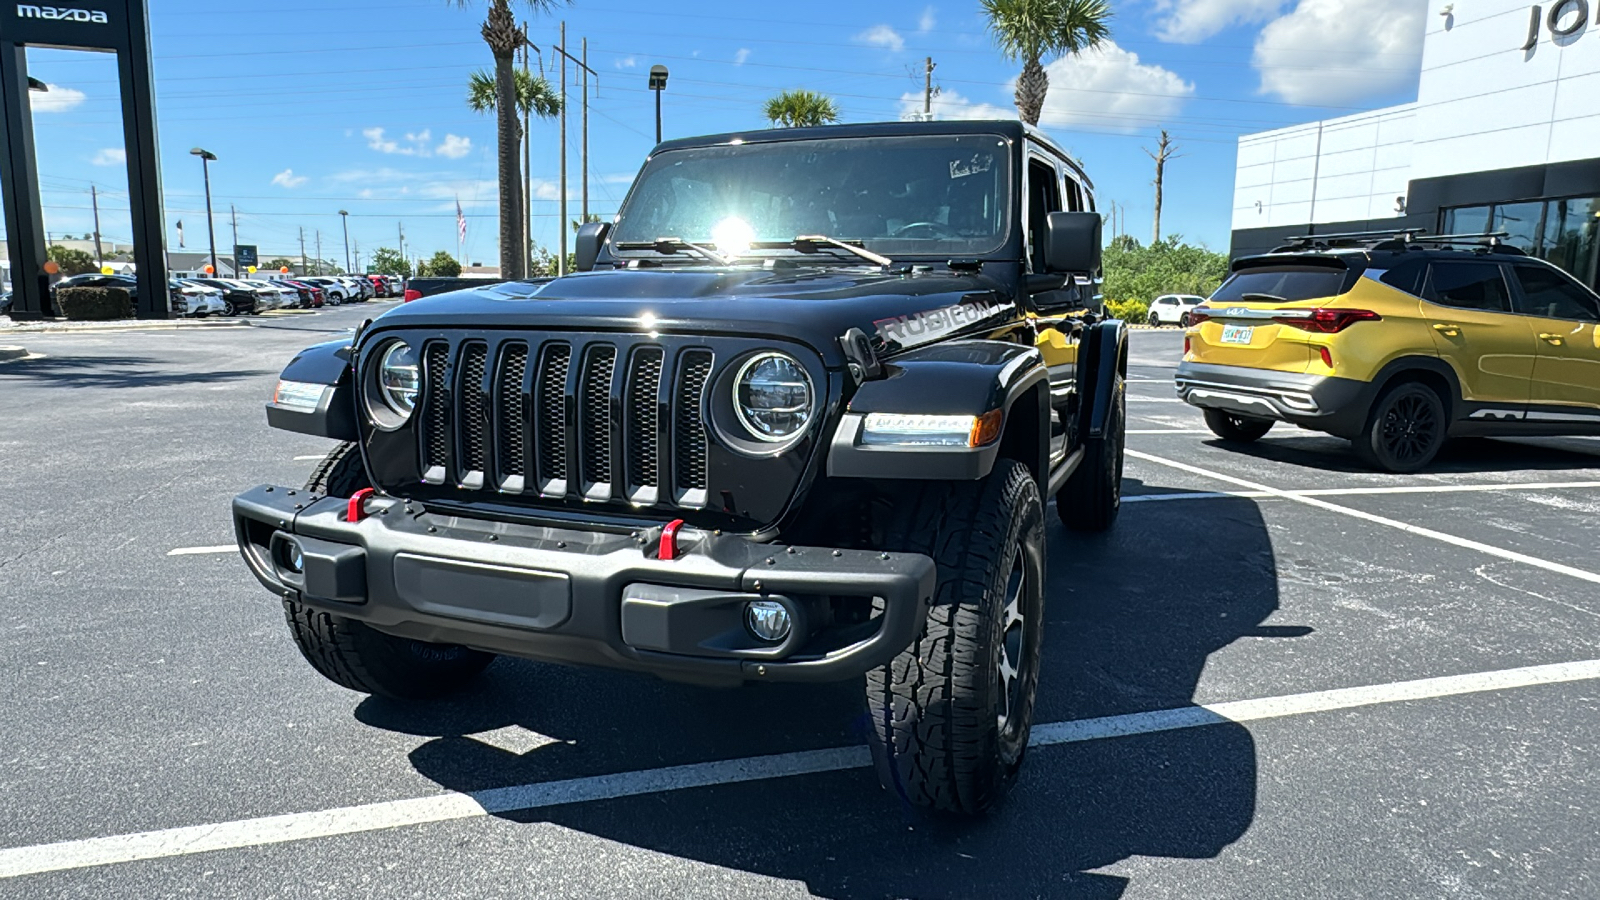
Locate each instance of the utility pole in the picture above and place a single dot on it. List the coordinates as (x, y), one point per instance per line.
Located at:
(319, 251)
(927, 92)
(584, 72)
(302, 250)
(1164, 153)
(527, 164)
(94, 199)
(583, 150)
(234, 213)
(401, 251)
(357, 269)
(561, 220)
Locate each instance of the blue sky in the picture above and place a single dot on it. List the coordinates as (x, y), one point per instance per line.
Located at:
(359, 104)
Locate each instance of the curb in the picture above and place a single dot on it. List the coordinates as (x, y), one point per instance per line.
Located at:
(9, 353)
(110, 327)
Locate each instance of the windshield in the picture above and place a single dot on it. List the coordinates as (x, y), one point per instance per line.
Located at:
(943, 195)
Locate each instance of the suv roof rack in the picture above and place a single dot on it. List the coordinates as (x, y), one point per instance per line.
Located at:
(1398, 240)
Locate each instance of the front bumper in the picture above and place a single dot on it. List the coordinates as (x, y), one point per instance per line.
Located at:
(1320, 402)
(587, 597)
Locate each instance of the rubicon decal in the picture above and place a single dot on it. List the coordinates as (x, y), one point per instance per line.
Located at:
(61, 14)
(921, 328)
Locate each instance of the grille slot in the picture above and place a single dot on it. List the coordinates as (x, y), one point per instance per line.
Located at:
(511, 418)
(689, 437)
(552, 421)
(594, 437)
(642, 425)
(473, 423)
(436, 365)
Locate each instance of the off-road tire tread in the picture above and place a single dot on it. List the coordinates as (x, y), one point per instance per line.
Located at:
(933, 733)
(1092, 496)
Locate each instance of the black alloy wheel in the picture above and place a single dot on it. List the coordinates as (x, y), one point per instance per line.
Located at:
(1406, 429)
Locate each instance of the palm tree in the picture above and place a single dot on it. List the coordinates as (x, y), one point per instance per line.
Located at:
(535, 94)
(504, 38)
(1029, 30)
(793, 109)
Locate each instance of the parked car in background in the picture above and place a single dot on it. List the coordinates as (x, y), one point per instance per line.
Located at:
(338, 291)
(319, 297)
(368, 292)
(380, 286)
(288, 298)
(195, 301)
(240, 300)
(1173, 309)
(302, 294)
(5, 304)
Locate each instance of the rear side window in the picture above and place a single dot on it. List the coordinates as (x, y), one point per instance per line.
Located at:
(1479, 286)
(1281, 284)
(1549, 295)
(1406, 277)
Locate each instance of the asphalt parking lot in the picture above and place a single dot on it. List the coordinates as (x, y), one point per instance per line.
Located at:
(1280, 675)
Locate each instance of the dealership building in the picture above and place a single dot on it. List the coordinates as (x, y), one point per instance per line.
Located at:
(1504, 136)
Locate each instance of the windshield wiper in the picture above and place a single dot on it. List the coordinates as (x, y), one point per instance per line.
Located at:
(670, 245)
(835, 242)
(1262, 298)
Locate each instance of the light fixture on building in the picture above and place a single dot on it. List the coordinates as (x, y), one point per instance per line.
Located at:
(1400, 206)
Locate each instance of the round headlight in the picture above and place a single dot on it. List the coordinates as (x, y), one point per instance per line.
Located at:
(772, 395)
(397, 378)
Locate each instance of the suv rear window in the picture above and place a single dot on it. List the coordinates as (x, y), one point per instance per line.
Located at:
(1282, 284)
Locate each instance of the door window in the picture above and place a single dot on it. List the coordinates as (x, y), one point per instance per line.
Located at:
(1044, 197)
(1549, 295)
(1479, 286)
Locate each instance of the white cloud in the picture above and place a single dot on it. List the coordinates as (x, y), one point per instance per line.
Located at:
(57, 99)
(110, 156)
(882, 36)
(454, 147)
(414, 143)
(741, 56)
(1192, 21)
(1107, 88)
(627, 62)
(927, 21)
(287, 178)
(1341, 51)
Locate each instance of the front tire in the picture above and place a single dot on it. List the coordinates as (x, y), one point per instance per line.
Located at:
(1236, 428)
(951, 715)
(1154, 321)
(1405, 430)
(351, 653)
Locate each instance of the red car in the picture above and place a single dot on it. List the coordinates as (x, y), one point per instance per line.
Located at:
(380, 286)
(319, 297)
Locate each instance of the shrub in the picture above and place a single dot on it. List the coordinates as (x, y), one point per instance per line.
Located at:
(1130, 311)
(94, 304)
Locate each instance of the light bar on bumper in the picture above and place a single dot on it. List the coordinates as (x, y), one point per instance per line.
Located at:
(899, 429)
(301, 396)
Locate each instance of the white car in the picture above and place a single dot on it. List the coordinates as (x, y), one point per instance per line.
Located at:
(359, 287)
(337, 290)
(288, 298)
(1173, 309)
(195, 301)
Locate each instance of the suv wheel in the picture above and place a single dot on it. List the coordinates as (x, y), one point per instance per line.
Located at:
(1405, 430)
(354, 655)
(1236, 428)
(1154, 320)
(951, 715)
(1092, 496)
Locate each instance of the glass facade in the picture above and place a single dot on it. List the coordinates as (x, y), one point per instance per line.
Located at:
(1564, 232)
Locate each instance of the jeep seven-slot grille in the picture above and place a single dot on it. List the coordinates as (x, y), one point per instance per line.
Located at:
(589, 421)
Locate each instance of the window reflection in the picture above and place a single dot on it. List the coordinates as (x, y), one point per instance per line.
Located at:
(1565, 232)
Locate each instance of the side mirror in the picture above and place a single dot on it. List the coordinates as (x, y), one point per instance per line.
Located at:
(1072, 244)
(591, 237)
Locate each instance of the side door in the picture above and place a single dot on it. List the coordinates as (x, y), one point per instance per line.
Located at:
(1564, 316)
(1056, 332)
(1467, 304)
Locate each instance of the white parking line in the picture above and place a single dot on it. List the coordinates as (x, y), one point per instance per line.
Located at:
(196, 551)
(1367, 491)
(1304, 497)
(1169, 431)
(452, 806)
(313, 456)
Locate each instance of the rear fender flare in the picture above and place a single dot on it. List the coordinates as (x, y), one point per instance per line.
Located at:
(1102, 358)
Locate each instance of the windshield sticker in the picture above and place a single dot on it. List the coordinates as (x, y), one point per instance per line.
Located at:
(924, 327)
(980, 162)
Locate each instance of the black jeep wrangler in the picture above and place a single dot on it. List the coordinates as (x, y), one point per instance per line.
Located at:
(795, 419)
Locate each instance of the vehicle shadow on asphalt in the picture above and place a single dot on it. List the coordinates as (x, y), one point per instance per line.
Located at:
(117, 372)
(1459, 456)
(1132, 618)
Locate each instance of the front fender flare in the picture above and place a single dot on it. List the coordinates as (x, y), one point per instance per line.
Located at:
(335, 416)
(956, 378)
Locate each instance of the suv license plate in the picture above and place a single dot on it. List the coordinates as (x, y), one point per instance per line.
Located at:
(1237, 334)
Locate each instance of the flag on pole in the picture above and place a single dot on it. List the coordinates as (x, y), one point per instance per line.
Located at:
(461, 223)
(180, 232)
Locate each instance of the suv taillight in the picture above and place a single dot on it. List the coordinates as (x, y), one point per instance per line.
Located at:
(412, 294)
(1198, 314)
(1328, 321)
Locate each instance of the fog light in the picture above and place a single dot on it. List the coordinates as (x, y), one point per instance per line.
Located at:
(767, 620)
(293, 557)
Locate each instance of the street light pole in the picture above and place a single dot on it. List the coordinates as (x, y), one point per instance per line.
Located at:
(206, 158)
(658, 83)
(344, 217)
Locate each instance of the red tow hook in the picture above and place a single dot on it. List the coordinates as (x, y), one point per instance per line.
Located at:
(669, 540)
(357, 510)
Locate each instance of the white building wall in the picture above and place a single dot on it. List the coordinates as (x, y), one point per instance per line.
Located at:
(1483, 103)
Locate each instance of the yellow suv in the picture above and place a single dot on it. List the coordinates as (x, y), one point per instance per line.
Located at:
(1396, 342)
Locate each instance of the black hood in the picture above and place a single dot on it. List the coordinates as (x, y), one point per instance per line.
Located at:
(814, 305)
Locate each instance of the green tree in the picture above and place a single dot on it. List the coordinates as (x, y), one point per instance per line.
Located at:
(386, 261)
(544, 262)
(274, 265)
(535, 94)
(794, 109)
(1136, 273)
(504, 38)
(72, 262)
(443, 265)
(582, 220)
(1029, 30)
